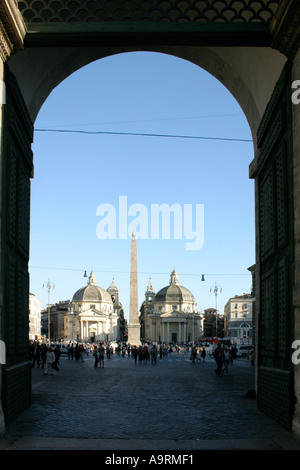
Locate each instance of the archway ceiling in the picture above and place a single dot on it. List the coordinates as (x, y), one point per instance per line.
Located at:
(201, 22)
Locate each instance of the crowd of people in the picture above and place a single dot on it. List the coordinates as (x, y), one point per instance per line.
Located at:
(48, 357)
(142, 353)
(45, 357)
(225, 355)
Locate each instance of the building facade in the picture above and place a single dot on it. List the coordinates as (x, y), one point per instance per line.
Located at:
(238, 317)
(53, 317)
(34, 317)
(213, 323)
(169, 316)
(95, 314)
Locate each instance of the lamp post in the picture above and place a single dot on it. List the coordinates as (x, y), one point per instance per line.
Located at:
(49, 286)
(216, 289)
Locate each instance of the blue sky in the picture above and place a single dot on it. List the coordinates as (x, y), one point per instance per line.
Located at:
(143, 93)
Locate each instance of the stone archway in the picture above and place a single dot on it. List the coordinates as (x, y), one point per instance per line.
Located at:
(252, 48)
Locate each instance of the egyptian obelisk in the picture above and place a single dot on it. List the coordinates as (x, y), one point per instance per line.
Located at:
(134, 324)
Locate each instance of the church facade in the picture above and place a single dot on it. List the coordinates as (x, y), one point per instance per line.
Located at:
(169, 316)
(95, 314)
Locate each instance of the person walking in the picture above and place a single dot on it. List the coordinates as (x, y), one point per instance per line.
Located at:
(140, 354)
(95, 354)
(193, 354)
(101, 355)
(203, 354)
(69, 351)
(226, 360)
(252, 356)
(77, 353)
(218, 356)
(36, 355)
(134, 353)
(153, 354)
(81, 352)
(57, 358)
(50, 359)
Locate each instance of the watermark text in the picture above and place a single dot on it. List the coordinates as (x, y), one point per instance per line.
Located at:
(163, 221)
(296, 93)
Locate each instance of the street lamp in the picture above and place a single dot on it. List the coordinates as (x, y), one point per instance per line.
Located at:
(216, 289)
(49, 287)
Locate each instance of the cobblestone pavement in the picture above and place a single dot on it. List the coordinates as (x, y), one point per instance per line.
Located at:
(175, 403)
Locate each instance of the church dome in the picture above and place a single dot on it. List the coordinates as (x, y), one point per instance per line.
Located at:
(91, 292)
(174, 292)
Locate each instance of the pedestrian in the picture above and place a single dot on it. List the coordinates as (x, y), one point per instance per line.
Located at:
(43, 354)
(193, 354)
(50, 359)
(77, 353)
(252, 356)
(230, 356)
(153, 354)
(57, 357)
(134, 353)
(218, 356)
(36, 358)
(226, 360)
(101, 355)
(107, 351)
(146, 354)
(233, 352)
(81, 352)
(95, 354)
(69, 351)
(203, 354)
(140, 354)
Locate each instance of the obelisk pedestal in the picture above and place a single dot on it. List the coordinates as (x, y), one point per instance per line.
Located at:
(134, 330)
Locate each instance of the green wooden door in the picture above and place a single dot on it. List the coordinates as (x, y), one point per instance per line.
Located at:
(275, 193)
(16, 172)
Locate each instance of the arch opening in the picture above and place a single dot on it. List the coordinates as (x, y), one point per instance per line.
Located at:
(203, 113)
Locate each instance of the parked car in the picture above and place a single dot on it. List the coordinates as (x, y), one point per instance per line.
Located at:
(243, 351)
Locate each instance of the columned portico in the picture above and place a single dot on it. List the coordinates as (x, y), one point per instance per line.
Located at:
(185, 327)
(170, 316)
(94, 314)
(97, 326)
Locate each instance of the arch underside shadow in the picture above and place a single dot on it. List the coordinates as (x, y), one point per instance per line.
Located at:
(232, 66)
(76, 33)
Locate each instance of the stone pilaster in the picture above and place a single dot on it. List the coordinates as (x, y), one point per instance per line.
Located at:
(12, 29)
(296, 296)
(12, 32)
(285, 28)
